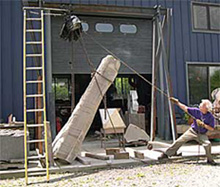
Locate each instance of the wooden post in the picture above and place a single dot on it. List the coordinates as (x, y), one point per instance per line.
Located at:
(49, 145)
(72, 79)
(153, 90)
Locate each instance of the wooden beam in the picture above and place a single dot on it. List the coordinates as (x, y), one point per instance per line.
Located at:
(112, 151)
(122, 155)
(96, 156)
(139, 155)
(49, 145)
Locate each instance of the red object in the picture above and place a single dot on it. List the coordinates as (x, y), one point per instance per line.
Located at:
(58, 124)
(141, 109)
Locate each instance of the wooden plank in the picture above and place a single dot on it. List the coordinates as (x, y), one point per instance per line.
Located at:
(83, 160)
(139, 155)
(11, 166)
(49, 145)
(112, 151)
(122, 155)
(16, 161)
(113, 120)
(12, 125)
(96, 156)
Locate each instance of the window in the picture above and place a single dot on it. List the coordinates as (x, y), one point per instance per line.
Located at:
(85, 27)
(215, 18)
(206, 17)
(61, 88)
(122, 86)
(128, 29)
(104, 27)
(202, 80)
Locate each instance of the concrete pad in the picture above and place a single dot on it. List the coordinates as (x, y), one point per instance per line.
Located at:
(189, 150)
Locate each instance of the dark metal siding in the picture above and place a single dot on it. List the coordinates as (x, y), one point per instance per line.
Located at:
(11, 59)
(185, 46)
(135, 49)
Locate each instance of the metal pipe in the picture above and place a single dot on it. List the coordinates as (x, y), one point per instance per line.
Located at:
(166, 73)
(153, 88)
(42, 8)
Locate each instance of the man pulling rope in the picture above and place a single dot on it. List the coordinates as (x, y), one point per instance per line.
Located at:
(203, 121)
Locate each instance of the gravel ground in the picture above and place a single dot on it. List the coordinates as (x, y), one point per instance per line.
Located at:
(177, 173)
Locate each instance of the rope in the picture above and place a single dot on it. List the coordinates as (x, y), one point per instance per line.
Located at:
(126, 65)
(103, 98)
(133, 70)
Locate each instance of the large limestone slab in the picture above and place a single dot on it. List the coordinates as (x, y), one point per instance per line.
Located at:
(134, 133)
(67, 143)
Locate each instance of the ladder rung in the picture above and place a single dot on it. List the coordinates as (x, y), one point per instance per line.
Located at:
(37, 174)
(33, 55)
(35, 95)
(35, 110)
(35, 141)
(34, 42)
(33, 68)
(33, 19)
(36, 157)
(33, 30)
(39, 81)
(35, 125)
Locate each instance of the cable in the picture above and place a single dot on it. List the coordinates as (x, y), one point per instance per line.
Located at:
(125, 64)
(103, 98)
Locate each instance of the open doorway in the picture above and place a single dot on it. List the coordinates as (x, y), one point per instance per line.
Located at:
(116, 96)
(62, 91)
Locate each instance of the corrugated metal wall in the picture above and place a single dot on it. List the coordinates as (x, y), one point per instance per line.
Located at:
(185, 46)
(11, 59)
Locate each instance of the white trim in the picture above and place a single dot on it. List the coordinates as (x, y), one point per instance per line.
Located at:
(205, 3)
(187, 73)
(203, 63)
(205, 31)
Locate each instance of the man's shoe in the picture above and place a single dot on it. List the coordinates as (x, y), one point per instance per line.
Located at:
(212, 162)
(178, 154)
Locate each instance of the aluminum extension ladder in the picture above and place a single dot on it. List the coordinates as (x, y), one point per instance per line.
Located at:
(27, 69)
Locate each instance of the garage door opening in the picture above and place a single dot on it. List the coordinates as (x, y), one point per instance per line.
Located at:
(116, 97)
(130, 39)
